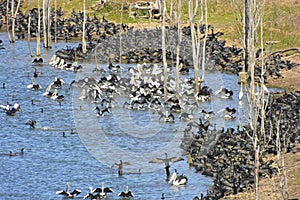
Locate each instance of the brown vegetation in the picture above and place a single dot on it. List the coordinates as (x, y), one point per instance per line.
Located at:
(269, 187)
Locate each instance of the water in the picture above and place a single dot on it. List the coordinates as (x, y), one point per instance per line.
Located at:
(84, 157)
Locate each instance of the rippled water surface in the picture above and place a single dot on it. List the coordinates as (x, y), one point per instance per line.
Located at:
(84, 157)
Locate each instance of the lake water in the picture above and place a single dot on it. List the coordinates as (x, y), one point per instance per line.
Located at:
(84, 157)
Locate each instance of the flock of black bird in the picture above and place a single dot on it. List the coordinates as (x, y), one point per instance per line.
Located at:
(227, 155)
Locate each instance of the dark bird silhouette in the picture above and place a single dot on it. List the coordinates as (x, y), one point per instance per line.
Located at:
(120, 166)
(31, 123)
(17, 153)
(167, 161)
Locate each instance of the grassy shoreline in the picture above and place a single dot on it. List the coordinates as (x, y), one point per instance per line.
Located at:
(281, 18)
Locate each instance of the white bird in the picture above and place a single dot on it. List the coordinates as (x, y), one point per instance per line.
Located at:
(33, 86)
(57, 83)
(47, 91)
(126, 194)
(178, 180)
(53, 60)
(90, 194)
(11, 111)
(67, 193)
(241, 94)
(103, 190)
(5, 108)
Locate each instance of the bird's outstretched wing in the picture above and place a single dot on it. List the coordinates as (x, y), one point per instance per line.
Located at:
(176, 159)
(108, 190)
(157, 160)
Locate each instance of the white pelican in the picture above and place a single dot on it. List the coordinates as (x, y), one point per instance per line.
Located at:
(103, 190)
(67, 193)
(12, 112)
(178, 180)
(126, 194)
(33, 86)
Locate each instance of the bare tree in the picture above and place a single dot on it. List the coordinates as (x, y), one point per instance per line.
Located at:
(121, 28)
(38, 34)
(83, 28)
(13, 16)
(179, 32)
(163, 43)
(192, 14)
(47, 23)
(204, 42)
(28, 28)
(55, 21)
(281, 161)
(257, 100)
(196, 40)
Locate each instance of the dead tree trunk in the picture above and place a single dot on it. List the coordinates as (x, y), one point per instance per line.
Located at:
(46, 23)
(179, 32)
(171, 13)
(13, 19)
(192, 14)
(7, 21)
(28, 29)
(38, 34)
(257, 99)
(83, 29)
(121, 28)
(246, 34)
(163, 43)
(204, 44)
(13, 39)
(55, 21)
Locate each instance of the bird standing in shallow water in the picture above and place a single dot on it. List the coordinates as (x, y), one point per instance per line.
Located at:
(167, 161)
(120, 167)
